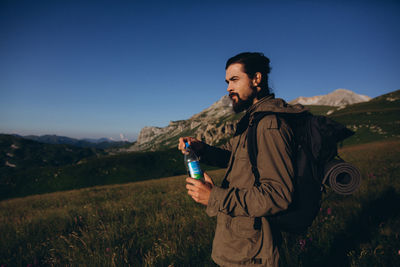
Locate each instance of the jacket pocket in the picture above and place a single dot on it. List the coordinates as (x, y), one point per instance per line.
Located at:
(243, 227)
(236, 240)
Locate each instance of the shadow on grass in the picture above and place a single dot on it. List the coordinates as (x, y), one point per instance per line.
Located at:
(361, 228)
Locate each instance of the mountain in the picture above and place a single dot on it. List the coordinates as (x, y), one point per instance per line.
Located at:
(96, 141)
(211, 125)
(102, 143)
(20, 153)
(339, 97)
(216, 124)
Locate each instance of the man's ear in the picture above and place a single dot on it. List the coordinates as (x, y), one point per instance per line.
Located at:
(257, 79)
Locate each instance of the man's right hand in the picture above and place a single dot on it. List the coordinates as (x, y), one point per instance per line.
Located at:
(193, 142)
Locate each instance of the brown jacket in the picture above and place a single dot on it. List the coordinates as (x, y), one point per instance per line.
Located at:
(243, 235)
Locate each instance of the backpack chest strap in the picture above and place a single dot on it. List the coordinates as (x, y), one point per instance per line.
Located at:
(252, 148)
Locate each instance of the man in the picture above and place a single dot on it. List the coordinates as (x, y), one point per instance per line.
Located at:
(243, 234)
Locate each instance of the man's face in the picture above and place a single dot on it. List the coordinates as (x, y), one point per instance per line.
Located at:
(240, 88)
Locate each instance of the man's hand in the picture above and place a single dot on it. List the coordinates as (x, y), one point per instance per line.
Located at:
(200, 191)
(193, 142)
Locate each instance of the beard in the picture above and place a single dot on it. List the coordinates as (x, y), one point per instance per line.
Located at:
(241, 104)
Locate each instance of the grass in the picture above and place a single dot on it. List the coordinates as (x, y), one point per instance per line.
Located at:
(319, 110)
(145, 223)
(154, 223)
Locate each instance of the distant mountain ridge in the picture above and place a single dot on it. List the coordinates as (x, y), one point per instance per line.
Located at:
(339, 97)
(18, 152)
(102, 143)
(217, 123)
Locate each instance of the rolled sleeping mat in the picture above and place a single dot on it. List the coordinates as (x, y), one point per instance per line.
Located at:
(343, 177)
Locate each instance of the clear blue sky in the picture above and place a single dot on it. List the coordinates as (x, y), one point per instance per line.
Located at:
(102, 68)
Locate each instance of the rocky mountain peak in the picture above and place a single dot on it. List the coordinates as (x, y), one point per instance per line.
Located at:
(220, 108)
(339, 97)
(210, 125)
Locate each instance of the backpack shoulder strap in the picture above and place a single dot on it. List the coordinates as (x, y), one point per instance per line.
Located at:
(252, 148)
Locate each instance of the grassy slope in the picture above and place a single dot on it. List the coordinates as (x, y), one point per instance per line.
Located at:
(25, 164)
(155, 223)
(372, 121)
(89, 172)
(378, 119)
(44, 168)
(320, 110)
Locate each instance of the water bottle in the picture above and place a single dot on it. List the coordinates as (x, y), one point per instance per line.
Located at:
(192, 163)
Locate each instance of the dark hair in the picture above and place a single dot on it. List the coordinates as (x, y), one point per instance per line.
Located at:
(253, 62)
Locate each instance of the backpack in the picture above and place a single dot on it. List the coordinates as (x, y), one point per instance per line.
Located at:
(316, 139)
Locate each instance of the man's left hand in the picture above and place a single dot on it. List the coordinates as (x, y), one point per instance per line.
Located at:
(200, 190)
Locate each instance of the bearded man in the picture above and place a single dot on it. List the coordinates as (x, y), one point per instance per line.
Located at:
(244, 236)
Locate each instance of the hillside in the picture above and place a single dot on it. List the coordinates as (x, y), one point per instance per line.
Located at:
(88, 172)
(378, 119)
(23, 163)
(155, 223)
(19, 153)
(28, 167)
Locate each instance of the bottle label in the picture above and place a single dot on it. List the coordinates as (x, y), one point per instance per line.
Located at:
(194, 170)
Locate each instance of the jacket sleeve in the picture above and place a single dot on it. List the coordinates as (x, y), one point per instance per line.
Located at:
(275, 165)
(216, 156)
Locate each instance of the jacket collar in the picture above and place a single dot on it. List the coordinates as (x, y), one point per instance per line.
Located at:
(259, 103)
(268, 104)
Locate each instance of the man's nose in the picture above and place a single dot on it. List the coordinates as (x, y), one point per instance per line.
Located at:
(229, 88)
